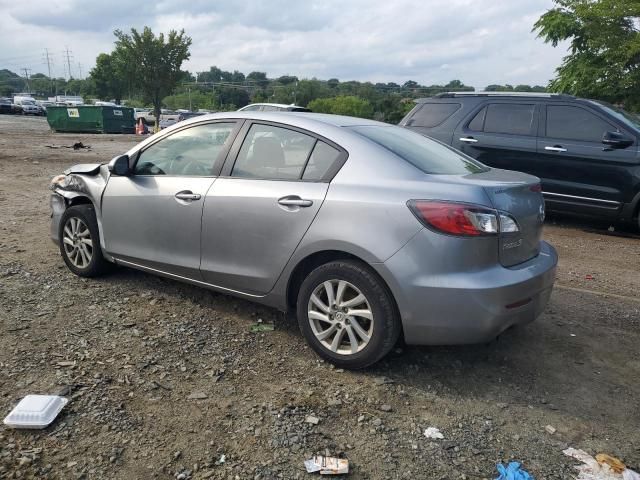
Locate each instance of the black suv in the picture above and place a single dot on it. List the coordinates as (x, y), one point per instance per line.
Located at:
(584, 151)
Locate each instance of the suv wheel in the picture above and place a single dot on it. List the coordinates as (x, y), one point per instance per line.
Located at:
(347, 314)
(80, 242)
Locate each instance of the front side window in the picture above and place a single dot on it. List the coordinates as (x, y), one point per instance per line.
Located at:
(575, 123)
(424, 153)
(273, 153)
(510, 118)
(192, 151)
(433, 114)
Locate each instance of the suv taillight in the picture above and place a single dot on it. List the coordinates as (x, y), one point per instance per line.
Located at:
(461, 218)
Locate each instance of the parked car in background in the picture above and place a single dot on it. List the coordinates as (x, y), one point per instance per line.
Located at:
(30, 108)
(187, 115)
(43, 104)
(167, 117)
(28, 105)
(366, 230)
(6, 106)
(584, 151)
(273, 107)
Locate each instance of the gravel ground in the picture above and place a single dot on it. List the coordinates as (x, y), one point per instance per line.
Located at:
(166, 380)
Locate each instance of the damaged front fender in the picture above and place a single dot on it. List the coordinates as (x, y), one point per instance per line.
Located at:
(83, 183)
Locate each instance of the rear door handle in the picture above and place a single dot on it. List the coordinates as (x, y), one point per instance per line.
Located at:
(555, 148)
(188, 196)
(294, 201)
(468, 140)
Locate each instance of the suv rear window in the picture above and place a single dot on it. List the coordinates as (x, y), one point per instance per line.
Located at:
(424, 153)
(433, 114)
(511, 118)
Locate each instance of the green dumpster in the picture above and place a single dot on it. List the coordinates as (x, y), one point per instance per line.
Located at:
(91, 119)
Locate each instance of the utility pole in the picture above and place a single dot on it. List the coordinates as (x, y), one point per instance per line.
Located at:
(26, 76)
(80, 70)
(48, 61)
(68, 55)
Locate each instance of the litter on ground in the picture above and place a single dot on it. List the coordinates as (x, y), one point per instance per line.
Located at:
(35, 411)
(513, 471)
(603, 467)
(327, 465)
(262, 327)
(433, 433)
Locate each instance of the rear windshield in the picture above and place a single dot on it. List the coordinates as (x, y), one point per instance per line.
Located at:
(424, 153)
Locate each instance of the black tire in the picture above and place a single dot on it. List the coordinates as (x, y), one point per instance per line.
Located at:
(385, 322)
(97, 265)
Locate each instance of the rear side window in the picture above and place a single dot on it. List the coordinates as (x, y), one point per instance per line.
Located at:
(273, 153)
(575, 123)
(509, 118)
(433, 114)
(322, 159)
(424, 153)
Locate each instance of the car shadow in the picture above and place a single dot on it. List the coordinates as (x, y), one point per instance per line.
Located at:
(571, 359)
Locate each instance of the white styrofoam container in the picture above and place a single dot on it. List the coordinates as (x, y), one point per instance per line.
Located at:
(35, 411)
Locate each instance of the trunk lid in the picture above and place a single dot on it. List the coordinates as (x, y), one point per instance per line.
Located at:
(520, 196)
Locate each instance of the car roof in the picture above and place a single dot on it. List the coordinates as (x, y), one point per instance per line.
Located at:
(281, 105)
(301, 119)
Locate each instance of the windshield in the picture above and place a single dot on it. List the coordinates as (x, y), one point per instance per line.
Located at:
(630, 119)
(424, 153)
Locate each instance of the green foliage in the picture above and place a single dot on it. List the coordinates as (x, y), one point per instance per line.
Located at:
(604, 48)
(153, 62)
(517, 88)
(343, 105)
(194, 100)
(111, 76)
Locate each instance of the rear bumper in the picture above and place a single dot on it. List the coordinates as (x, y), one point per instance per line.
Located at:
(466, 307)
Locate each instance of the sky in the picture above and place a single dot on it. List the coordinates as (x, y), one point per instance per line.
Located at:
(480, 42)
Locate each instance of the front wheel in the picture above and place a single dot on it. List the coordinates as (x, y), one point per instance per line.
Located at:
(80, 242)
(347, 314)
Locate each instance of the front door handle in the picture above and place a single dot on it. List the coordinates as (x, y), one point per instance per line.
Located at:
(294, 201)
(468, 140)
(188, 195)
(555, 148)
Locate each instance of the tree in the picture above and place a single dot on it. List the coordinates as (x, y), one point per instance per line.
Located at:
(343, 105)
(155, 62)
(260, 78)
(604, 48)
(109, 77)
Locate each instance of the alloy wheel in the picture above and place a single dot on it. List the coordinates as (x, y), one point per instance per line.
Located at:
(78, 244)
(340, 317)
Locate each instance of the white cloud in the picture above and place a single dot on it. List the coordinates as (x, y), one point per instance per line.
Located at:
(433, 41)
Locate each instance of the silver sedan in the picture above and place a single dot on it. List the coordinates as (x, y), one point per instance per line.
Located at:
(366, 231)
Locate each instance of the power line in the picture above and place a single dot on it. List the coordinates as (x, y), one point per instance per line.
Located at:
(68, 54)
(26, 76)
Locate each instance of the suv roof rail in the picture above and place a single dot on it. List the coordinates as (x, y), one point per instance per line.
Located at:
(502, 94)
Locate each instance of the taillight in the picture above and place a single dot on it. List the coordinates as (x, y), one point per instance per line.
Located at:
(461, 218)
(537, 188)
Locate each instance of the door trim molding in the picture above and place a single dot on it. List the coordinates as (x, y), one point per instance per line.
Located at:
(183, 279)
(576, 197)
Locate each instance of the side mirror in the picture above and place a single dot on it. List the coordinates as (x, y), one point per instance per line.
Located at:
(120, 165)
(616, 140)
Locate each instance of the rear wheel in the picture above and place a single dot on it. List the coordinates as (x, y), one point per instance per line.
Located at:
(347, 314)
(80, 242)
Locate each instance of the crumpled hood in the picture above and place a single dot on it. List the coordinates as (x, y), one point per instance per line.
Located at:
(84, 168)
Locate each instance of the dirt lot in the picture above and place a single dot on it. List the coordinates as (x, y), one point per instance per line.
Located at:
(166, 380)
